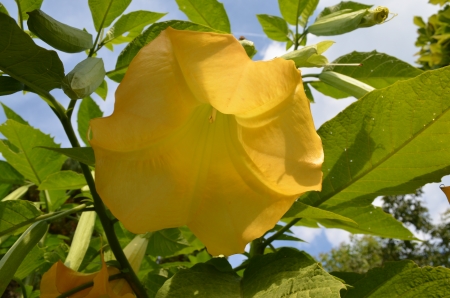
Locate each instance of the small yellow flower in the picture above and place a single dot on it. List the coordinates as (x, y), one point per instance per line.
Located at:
(60, 279)
(205, 137)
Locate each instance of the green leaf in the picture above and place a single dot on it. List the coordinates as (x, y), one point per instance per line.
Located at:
(147, 36)
(60, 36)
(347, 6)
(206, 12)
(329, 90)
(22, 59)
(102, 90)
(84, 79)
(28, 5)
(294, 11)
(152, 283)
(10, 114)
(63, 180)
(300, 210)
(378, 70)
(10, 85)
(133, 21)
(402, 279)
(15, 215)
(82, 154)
(104, 12)
(88, 110)
(33, 163)
(390, 142)
(33, 260)
(4, 190)
(9, 175)
(275, 27)
(166, 242)
(3, 9)
(308, 92)
(288, 272)
(202, 280)
(16, 254)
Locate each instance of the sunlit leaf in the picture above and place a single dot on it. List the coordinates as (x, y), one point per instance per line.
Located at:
(206, 12)
(27, 6)
(104, 12)
(63, 180)
(275, 27)
(87, 111)
(16, 215)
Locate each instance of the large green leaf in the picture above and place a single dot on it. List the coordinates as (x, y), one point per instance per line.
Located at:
(300, 210)
(147, 36)
(392, 141)
(3, 9)
(88, 110)
(132, 21)
(206, 12)
(34, 259)
(166, 242)
(28, 5)
(378, 70)
(104, 12)
(10, 85)
(401, 279)
(16, 214)
(60, 36)
(22, 59)
(9, 175)
(33, 163)
(294, 11)
(286, 273)
(63, 180)
(16, 254)
(10, 114)
(275, 27)
(81, 154)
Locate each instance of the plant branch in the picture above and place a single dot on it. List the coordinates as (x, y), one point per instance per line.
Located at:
(87, 285)
(70, 108)
(99, 207)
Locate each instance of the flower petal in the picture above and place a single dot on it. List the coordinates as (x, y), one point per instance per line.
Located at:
(161, 164)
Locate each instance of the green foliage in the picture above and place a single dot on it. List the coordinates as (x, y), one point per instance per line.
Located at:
(84, 79)
(60, 36)
(104, 12)
(9, 85)
(366, 154)
(401, 279)
(297, 11)
(14, 257)
(16, 214)
(88, 110)
(102, 90)
(9, 175)
(377, 69)
(63, 180)
(82, 154)
(33, 163)
(3, 9)
(434, 39)
(166, 242)
(43, 70)
(27, 6)
(132, 22)
(275, 27)
(206, 12)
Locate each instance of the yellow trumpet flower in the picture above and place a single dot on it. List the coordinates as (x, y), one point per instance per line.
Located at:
(203, 136)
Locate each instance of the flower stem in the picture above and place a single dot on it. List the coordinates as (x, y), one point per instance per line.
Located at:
(99, 207)
(281, 231)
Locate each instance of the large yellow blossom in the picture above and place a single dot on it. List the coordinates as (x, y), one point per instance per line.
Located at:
(205, 137)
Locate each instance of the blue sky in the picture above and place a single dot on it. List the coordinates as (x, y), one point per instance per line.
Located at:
(395, 38)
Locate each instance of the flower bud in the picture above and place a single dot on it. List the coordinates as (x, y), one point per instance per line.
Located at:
(249, 47)
(344, 83)
(84, 79)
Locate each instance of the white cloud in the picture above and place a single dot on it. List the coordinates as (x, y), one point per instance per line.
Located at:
(336, 236)
(275, 49)
(307, 234)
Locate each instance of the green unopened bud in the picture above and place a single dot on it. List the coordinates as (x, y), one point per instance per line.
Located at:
(135, 251)
(374, 17)
(346, 20)
(84, 79)
(344, 83)
(81, 240)
(249, 47)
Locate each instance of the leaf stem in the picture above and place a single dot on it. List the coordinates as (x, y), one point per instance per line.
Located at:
(70, 108)
(281, 231)
(19, 9)
(87, 285)
(100, 30)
